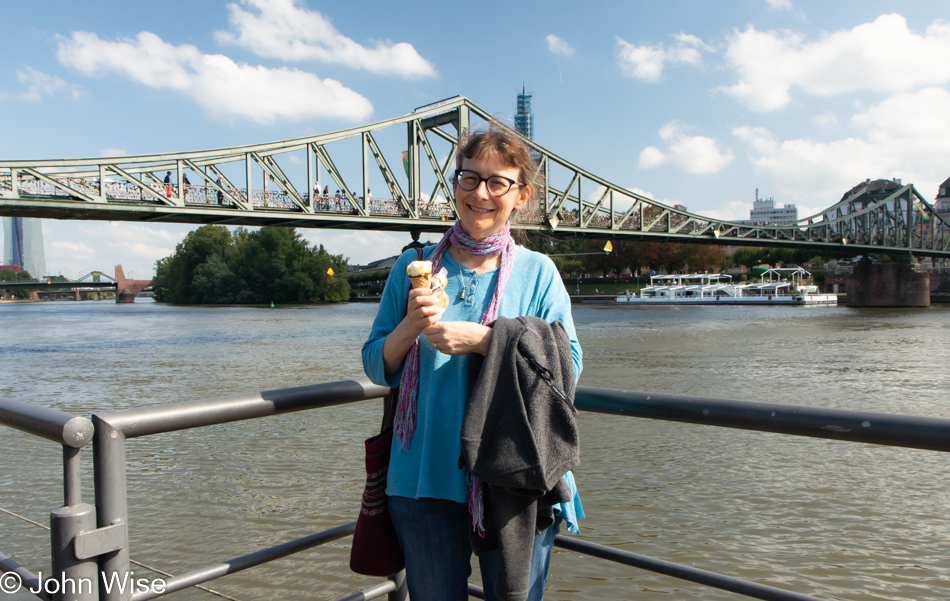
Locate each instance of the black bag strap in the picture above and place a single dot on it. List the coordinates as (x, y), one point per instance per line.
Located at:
(392, 399)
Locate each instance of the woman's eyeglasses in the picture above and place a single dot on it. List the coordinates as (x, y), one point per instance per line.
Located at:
(496, 184)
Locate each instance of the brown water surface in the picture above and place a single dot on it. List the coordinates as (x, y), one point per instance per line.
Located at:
(830, 519)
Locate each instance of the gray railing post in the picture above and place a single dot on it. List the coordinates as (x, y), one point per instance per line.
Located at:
(111, 507)
(401, 590)
(77, 578)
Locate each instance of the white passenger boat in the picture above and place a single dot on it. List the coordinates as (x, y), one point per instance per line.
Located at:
(778, 286)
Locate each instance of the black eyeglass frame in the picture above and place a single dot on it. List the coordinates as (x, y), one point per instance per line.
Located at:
(511, 182)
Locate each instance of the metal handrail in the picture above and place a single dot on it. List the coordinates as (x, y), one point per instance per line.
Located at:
(7, 564)
(111, 430)
(143, 421)
(238, 564)
(45, 422)
(710, 579)
(909, 431)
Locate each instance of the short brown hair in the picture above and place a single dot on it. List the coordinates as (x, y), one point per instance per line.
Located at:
(502, 143)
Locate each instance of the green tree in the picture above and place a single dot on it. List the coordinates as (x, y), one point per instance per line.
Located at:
(175, 275)
(702, 257)
(214, 282)
(8, 275)
(272, 264)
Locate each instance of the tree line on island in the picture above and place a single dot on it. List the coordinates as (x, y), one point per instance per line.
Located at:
(213, 265)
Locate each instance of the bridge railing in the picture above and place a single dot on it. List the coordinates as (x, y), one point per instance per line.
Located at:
(92, 543)
(886, 225)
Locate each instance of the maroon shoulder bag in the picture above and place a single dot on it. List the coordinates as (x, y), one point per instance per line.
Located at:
(375, 550)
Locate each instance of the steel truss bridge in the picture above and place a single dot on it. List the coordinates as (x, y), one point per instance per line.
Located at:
(412, 158)
(94, 280)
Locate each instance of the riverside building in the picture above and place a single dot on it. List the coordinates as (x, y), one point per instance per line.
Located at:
(764, 212)
(942, 201)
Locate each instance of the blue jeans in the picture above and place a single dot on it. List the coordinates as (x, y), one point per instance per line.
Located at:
(433, 534)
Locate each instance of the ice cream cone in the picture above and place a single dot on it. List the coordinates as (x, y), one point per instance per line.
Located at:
(419, 281)
(419, 272)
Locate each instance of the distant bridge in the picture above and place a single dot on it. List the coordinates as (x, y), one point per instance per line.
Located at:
(125, 289)
(278, 184)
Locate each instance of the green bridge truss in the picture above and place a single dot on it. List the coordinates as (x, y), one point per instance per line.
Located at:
(410, 161)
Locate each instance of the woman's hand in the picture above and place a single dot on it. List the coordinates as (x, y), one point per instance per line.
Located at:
(458, 337)
(422, 311)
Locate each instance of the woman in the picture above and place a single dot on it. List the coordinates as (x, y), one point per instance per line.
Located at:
(428, 353)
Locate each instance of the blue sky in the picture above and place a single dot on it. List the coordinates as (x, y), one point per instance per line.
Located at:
(697, 103)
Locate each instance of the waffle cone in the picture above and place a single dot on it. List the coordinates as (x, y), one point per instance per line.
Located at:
(419, 281)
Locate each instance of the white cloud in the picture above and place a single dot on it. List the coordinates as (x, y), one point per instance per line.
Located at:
(807, 211)
(643, 193)
(780, 4)
(731, 211)
(224, 88)
(652, 157)
(136, 242)
(623, 201)
(287, 30)
(78, 250)
(819, 172)
(558, 46)
(692, 154)
(41, 84)
(905, 136)
(360, 246)
(112, 152)
(883, 56)
(75, 248)
(647, 62)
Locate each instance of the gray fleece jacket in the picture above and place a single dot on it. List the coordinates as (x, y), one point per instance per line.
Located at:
(519, 437)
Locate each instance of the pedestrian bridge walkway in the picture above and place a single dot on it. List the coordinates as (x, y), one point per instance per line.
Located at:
(327, 181)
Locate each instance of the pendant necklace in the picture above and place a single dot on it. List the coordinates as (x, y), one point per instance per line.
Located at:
(464, 285)
(462, 279)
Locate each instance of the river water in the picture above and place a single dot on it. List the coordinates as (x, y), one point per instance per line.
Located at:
(831, 519)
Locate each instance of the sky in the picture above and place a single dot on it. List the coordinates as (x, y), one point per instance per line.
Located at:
(698, 103)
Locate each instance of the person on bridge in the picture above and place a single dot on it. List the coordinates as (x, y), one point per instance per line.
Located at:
(428, 353)
(168, 184)
(186, 185)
